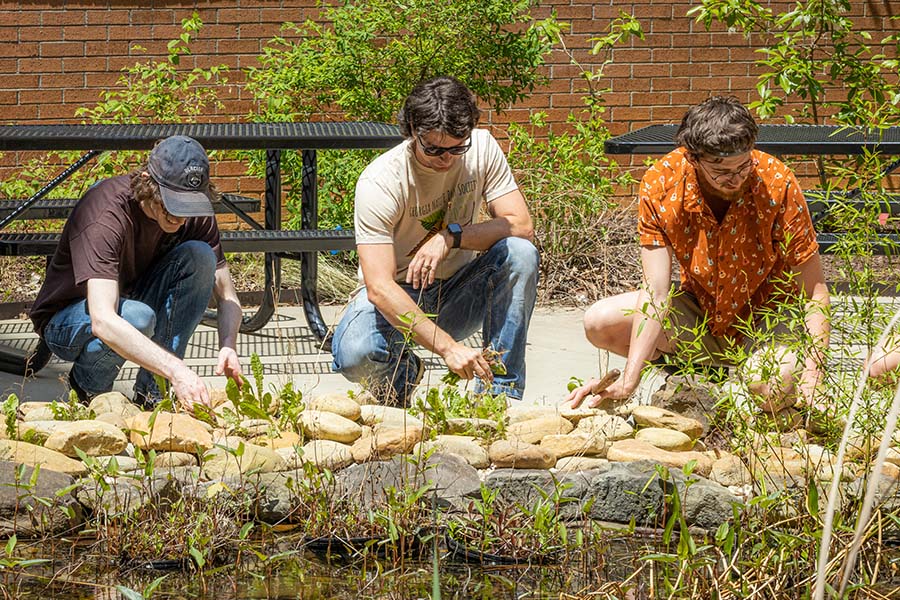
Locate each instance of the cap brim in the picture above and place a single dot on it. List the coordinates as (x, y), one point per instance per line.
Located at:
(186, 204)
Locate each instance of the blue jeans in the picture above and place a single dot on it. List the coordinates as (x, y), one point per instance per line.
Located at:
(495, 292)
(166, 305)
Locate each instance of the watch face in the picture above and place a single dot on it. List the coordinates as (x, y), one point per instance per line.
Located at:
(454, 228)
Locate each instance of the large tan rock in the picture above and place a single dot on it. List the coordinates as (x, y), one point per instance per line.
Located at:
(577, 443)
(634, 450)
(528, 412)
(520, 455)
(610, 427)
(170, 433)
(255, 427)
(652, 416)
(94, 438)
(32, 455)
(327, 454)
(385, 441)
(171, 460)
(337, 403)
(37, 431)
(320, 425)
(665, 439)
(533, 431)
(574, 464)
(286, 439)
(371, 415)
(471, 426)
(26, 408)
(575, 415)
(42, 412)
(729, 470)
(463, 446)
(114, 419)
(113, 402)
(363, 449)
(220, 463)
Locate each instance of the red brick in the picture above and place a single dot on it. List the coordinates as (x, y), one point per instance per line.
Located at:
(651, 70)
(79, 65)
(30, 34)
(29, 49)
(18, 82)
(62, 17)
(107, 17)
(22, 112)
(62, 49)
(40, 96)
(154, 15)
(714, 84)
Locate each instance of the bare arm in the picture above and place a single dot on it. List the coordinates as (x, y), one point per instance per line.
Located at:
(818, 325)
(229, 323)
(129, 343)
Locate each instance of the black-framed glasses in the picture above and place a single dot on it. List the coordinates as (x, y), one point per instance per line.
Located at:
(439, 150)
(740, 173)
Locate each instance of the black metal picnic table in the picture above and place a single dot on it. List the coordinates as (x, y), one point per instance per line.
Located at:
(798, 139)
(268, 237)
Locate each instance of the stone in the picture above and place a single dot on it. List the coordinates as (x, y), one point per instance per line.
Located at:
(389, 440)
(34, 510)
(729, 470)
(453, 480)
(652, 416)
(466, 447)
(114, 498)
(688, 396)
(222, 463)
(893, 456)
(32, 455)
(327, 454)
(575, 415)
(471, 426)
(37, 431)
(255, 427)
(337, 403)
(167, 460)
(114, 419)
(665, 439)
(293, 457)
(371, 415)
(365, 398)
(114, 402)
(528, 412)
(533, 431)
(363, 449)
(38, 413)
(527, 487)
(26, 408)
(610, 427)
(94, 438)
(171, 433)
(705, 503)
(520, 455)
(625, 491)
(286, 439)
(218, 397)
(124, 464)
(571, 464)
(319, 425)
(636, 450)
(577, 443)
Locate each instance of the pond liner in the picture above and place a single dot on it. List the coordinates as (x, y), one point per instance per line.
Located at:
(345, 547)
(162, 564)
(461, 551)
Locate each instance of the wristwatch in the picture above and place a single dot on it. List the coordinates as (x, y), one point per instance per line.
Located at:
(456, 233)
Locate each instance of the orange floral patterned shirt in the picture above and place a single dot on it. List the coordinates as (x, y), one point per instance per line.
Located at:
(739, 264)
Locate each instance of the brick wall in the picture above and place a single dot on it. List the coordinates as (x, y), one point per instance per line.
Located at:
(56, 57)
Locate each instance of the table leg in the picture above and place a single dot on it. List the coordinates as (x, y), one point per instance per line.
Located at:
(309, 266)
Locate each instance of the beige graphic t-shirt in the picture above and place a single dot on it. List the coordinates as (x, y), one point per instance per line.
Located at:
(400, 202)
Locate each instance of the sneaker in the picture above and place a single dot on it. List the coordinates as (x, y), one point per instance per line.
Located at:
(83, 396)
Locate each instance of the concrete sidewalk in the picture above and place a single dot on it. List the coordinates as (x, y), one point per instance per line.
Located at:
(557, 350)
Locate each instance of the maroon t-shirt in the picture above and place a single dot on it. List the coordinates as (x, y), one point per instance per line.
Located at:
(108, 236)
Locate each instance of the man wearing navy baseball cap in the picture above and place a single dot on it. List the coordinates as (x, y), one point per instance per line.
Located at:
(137, 263)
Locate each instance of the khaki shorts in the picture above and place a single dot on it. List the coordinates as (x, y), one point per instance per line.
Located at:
(687, 328)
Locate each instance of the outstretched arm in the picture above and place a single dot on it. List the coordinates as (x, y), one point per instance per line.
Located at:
(818, 325)
(229, 323)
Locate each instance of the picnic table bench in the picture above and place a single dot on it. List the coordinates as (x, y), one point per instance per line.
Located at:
(812, 140)
(267, 237)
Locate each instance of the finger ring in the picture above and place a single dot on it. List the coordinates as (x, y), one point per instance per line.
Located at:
(427, 267)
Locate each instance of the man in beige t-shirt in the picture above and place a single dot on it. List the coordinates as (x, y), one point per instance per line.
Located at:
(422, 252)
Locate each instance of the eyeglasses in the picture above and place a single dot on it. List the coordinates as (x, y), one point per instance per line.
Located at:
(721, 177)
(439, 150)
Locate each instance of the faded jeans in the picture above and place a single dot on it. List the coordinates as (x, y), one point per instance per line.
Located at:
(495, 293)
(166, 305)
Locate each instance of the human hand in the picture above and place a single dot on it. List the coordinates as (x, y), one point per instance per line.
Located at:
(230, 365)
(189, 389)
(423, 266)
(468, 362)
(600, 392)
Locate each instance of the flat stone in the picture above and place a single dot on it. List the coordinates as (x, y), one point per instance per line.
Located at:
(577, 443)
(652, 416)
(571, 464)
(26, 408)
(21, 514)
(125, 464)
(390, 440)
(286, 439)
(688, 396)
(167, 460)
(533, 431)
(527, 412)
(575, 415)
(220, 463)
(665, 439)
(255, 427)
(37, 431)
(371, 415)
(730, 471)
(94, 438)
(32, 455)
(114, 419)
(636, 450)
(320, 425)
(466, 447)
(471, 426)
(363, 449)
(337, 403)
(520, 455)
(171, 433)
(365, 398)
(114, 402)
(327, 454)
(610, 427)
(38, 413)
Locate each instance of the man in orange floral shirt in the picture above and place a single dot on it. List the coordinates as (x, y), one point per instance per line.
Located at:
(737, 223)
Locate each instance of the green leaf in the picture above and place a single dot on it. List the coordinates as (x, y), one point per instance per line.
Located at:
(128, 593)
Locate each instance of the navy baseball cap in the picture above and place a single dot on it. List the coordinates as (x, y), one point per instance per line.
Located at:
(181, 168)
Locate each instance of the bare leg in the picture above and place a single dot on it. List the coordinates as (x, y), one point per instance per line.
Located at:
(608, 324)
(772, 374)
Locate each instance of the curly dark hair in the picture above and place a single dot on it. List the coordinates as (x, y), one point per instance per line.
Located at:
(440, 104)
(718, 126)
